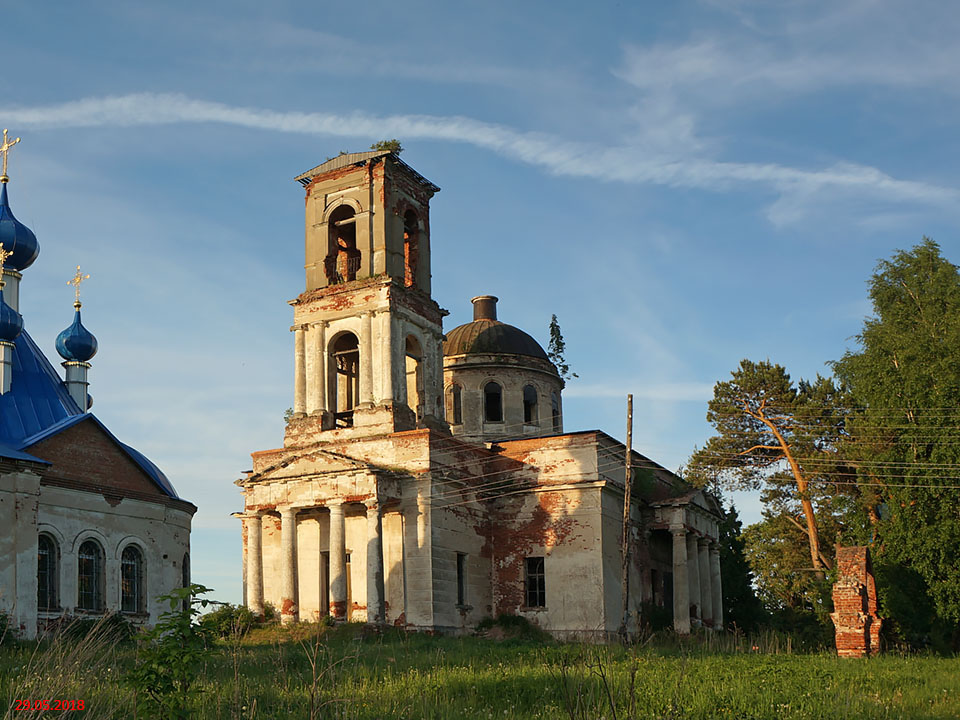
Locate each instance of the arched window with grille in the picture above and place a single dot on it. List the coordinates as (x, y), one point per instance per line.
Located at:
(493, 402)
(345, 351)
(132, 580)
(90, 577)
(530, 414)
(343, 258)
(48, 564)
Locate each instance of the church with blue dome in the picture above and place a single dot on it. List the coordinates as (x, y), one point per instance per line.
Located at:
(90, 525)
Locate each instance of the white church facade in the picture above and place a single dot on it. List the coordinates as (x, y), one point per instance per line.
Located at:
(88, 525)
(426, 480)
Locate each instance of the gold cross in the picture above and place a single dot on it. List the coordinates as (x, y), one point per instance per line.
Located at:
(4, 149)
(77, 279)
(4, 254)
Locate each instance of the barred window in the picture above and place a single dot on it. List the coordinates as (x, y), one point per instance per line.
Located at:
(535, 582)
(90, 576)
(131, 580)
(48, 562)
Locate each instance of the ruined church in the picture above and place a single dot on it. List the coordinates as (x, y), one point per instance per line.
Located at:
(426, 480)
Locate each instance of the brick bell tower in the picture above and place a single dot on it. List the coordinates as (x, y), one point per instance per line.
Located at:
(368, 352)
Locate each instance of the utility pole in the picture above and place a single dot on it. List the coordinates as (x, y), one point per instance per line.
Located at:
(625, 554)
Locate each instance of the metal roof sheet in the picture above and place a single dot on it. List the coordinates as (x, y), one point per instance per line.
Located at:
(11, 454)
(342, 161)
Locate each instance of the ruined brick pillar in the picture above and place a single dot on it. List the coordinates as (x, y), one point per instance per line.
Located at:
(855, 604)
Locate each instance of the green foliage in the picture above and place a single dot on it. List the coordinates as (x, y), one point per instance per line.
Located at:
(112, 627)
(512, 627)
(165, 674)
(6, 632)
(741, 606)
(288, 414)
(393, 146)
(905, 440)
(556, 350)
(228, 620)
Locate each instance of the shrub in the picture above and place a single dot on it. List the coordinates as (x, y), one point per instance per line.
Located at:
(228, 620)
(512, 627)
(6, 632)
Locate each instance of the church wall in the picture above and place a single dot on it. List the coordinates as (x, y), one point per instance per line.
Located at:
(459, 529)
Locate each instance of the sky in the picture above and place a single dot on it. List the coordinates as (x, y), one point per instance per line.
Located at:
(683, 184)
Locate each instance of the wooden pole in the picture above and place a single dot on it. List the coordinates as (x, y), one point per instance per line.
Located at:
(625, 550)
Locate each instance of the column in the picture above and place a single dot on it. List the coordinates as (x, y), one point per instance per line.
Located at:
(320, 330)
(299, 371)
(311, 371)
(254, 527)
(706, 594)
(681, 587)
(693, 572)
(338, 561)
(374, 563)
(715, 586)
(288, 566)
(366, 359)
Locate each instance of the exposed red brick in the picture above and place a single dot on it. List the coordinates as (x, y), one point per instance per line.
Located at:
(855, 604)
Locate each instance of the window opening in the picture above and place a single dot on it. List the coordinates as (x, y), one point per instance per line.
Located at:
(493, 402)
(530, 404)
(536, 586)
(414, 370)
(555, 410)
(456, 404)
(90, 577)
(346, 355)
(461, 578)
(131, 580)
(47, 563)
(411, 248)
(343, 258)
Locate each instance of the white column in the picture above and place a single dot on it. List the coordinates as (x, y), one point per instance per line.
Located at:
(681, 587)
(374, 563)
(320, 333)
(76, 382)
(706, 594)
(254, 527)
(338, 561)
(299, 371)
(693, 572)
(715, 586)
(312, 371)
(366, 358)
(288, 565)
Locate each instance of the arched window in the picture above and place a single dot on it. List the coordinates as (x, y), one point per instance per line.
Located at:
(90, 576)
(555, 410)
(346, 356)
(343, 258)
(131, 580)
(185, 570)
(530, 404)
(48, 563)
(411, 247)
(414, 370)
(455, 410)
(492, 402)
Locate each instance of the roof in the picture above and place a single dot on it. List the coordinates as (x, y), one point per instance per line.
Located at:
(38, 406)
(346, 159)
(491, 337)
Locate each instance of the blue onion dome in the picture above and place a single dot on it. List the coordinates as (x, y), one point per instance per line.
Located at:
(11, 322)
(76, 343)
(16, 237)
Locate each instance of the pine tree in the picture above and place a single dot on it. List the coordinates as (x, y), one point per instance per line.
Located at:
(556, 350)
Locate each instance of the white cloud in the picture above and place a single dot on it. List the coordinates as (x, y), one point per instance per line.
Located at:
(629, 164)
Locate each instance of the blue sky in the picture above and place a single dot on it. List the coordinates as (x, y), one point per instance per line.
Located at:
(684, 184)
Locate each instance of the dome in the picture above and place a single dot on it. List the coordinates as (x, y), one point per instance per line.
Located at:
(76, 343)
(16, 237)
(487, 335)
(11, 322)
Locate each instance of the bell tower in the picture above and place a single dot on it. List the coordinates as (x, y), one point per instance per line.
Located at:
(368, 355)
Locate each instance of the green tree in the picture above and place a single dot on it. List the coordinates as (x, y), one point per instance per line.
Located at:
(778, 436)
(393, 146)
(741, 606)
(557, 349)
(904, 443)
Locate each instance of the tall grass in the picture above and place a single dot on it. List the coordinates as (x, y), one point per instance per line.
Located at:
(352, 672)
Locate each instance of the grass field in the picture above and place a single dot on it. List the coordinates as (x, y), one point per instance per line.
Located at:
(353, 673)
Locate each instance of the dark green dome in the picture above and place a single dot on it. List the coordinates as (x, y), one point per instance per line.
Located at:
(488, 336)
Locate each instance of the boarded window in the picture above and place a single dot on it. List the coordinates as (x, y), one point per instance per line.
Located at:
(90, 576)
(535, 582)
(47, 566)
(493, 402)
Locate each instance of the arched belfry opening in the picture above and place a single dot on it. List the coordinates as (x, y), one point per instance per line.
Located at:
(411, 248)
(343, 258)
(345, 352)
(414, 373)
